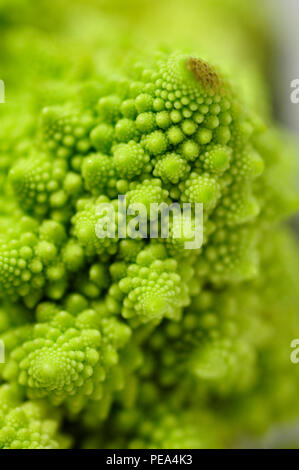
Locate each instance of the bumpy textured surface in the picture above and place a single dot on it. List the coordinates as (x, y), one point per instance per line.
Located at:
(140, 342)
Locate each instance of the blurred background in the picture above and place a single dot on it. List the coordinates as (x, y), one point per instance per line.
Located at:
(256, 39)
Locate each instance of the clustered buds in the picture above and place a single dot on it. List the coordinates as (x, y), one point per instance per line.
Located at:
(144, 324)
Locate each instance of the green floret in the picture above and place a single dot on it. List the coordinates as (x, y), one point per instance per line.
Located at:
(99, 174)
(155, 143)
(94, 282)
(216, 159)
(131, 160)
(38, 184)
(239, 207)
(65, 356)
(30, 263)
(152, 288)
(125, 130)
(171, 168)
(65, 132)
(102, 137)
(28, 424)
(231, 256)
(202, 189)
(85, 221)
(109, 108)
(167, 429)
(150, 191)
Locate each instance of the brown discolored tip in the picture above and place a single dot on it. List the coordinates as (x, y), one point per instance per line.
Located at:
(204, 73)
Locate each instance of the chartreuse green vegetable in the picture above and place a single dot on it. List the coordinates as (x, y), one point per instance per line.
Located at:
(30, 424)
(136, 339)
